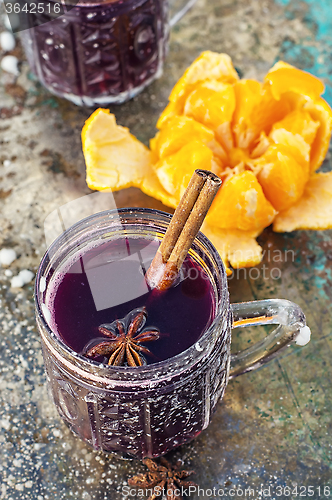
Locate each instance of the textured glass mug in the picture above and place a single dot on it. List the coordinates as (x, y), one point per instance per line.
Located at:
(99, 52)
(149, 410)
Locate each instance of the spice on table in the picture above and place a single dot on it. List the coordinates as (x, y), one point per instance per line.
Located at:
(183, 228)
(126, 338)
(162, 478)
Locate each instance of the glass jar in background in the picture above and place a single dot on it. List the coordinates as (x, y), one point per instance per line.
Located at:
(99, 52)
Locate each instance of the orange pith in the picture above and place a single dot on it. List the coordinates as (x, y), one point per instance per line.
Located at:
(265, 140)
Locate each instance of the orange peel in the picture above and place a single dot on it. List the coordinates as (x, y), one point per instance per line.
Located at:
(321, 112)
(284, 78)
(313, 210)
(104, 143)
(236, 248)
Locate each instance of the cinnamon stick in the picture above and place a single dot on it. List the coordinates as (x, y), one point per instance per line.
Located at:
(183, 228)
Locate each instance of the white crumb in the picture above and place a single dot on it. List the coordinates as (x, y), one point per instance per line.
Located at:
(7, 41)
(22, 278)
(304, 336)
(10, 64)
(7, 256)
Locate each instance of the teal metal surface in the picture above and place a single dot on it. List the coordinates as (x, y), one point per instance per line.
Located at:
(311, 53)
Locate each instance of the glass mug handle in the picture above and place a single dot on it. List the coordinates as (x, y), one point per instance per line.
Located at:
(291, 328)
(180, 13)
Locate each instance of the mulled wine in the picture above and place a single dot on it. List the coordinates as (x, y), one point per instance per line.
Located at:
(89, 279)
(106, 283)
(90, 290)
(98, 52)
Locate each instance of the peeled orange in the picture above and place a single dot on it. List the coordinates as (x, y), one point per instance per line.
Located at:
(265, 140)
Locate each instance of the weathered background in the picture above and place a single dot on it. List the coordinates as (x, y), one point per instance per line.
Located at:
(274, 426)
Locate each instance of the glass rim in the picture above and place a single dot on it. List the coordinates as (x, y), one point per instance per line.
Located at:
(105, 372)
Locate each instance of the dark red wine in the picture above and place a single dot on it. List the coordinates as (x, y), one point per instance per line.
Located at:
(99, 51)
(107, 282)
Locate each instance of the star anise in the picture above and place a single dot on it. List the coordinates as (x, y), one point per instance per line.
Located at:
(126, 336)
(163, 478)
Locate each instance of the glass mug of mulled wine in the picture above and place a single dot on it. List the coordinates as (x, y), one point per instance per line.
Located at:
(94, 307)
(98, 52)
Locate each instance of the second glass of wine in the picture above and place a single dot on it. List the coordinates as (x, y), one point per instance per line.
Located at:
(98, 52)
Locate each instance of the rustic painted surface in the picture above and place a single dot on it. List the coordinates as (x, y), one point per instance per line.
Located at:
(274, 427)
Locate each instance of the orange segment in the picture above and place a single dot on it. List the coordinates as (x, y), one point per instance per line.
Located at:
(174, 171)
(283, 78)
(211, 103)
(172, 109)
(236, 248)
(313, 210)
(248, 97)
(178, 131)
(208, 66)
(293, 99)
(282, 177)
(151, 186)
(293, 144)
(114, 158)
(241, 204)
(320, 112)
(299, 122)
(255, 112)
